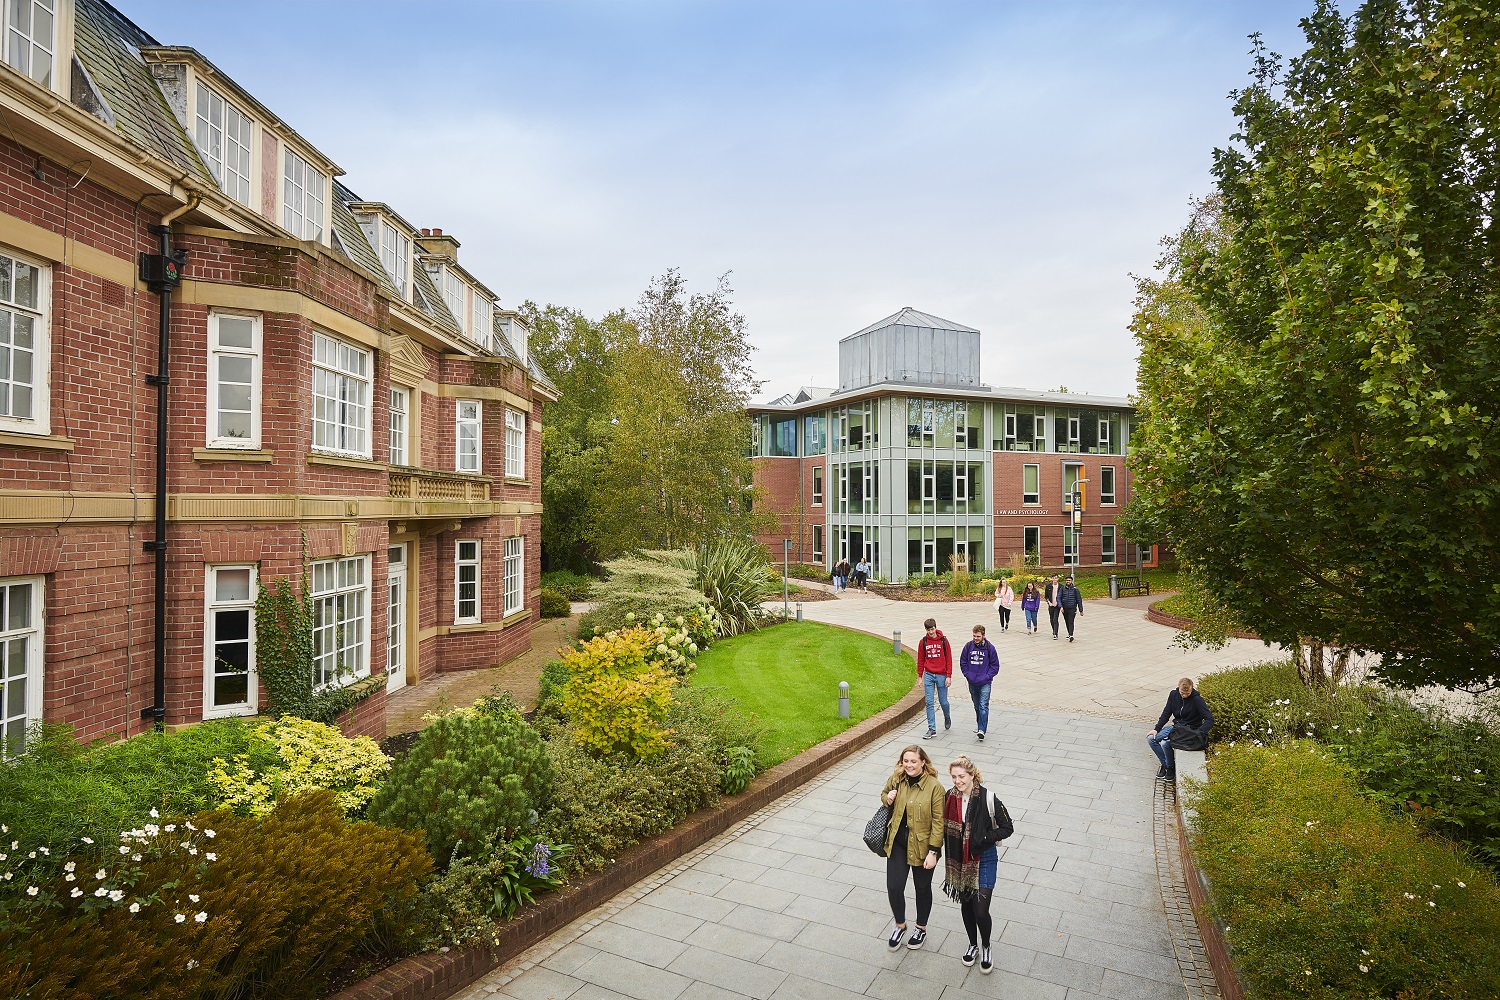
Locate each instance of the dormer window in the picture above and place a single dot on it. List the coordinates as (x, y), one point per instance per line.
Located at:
(484, 322)
(302, 198)
(394, 248)
(453, 295)
(224, 138)
(31, 38)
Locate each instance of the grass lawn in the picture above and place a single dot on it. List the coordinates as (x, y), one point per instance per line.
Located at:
(789, 675)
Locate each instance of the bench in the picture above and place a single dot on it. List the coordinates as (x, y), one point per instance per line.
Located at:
(1133, 587)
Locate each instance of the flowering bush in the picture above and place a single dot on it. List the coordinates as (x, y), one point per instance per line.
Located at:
(1327, 895)
(619, 691)
(312, 755)
(461, 906)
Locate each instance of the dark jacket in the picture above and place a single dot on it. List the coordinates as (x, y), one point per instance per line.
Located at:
(982, 833)
(1192, 711)
(1050, 593)
(980, 664)
(934, 655)
(1070, 597)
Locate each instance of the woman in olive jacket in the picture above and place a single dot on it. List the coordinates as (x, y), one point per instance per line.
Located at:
(914, 840)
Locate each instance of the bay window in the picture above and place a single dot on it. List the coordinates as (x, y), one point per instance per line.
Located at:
(341, 621)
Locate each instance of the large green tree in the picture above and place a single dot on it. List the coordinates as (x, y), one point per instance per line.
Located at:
(1320, 364)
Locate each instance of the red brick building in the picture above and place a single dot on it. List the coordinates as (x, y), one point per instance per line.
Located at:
(343, 399)
(913, 463)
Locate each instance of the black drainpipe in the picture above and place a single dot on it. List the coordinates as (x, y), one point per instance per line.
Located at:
(162, 272)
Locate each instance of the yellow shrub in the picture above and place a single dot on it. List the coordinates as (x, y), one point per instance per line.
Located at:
(315, 756)
(618, 696)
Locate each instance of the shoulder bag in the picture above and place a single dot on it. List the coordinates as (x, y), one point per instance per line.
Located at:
(876, 829)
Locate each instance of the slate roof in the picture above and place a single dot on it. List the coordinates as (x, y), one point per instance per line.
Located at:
(908, 316)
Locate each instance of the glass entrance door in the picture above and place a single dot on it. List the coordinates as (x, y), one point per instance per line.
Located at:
(395, 628)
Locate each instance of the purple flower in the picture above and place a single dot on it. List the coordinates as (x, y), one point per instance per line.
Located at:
(540, 865)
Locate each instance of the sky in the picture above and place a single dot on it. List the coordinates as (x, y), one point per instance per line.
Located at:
(1007, 166)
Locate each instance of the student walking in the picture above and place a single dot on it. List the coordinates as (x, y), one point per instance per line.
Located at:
(980, 663)
(1054, 607)
(935, 667)
(913, 841)
(1031, 603)
(971, 831)
(1005, 599)
(1186, 707)
(861, 573)
(1071, 602)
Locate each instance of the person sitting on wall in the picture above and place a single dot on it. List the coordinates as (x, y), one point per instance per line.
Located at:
(1188, 710)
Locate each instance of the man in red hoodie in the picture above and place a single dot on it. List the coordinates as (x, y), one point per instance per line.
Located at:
(935, 667)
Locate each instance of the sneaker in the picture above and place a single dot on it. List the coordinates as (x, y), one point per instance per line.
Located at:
(1054, 636)
(930, 734)
(981, 736)
(970, 955)
(947, 723)
(1171, 777)
(917, 937)
(986, 965)
(1070, 638)
(896, 936)
(1161, 772)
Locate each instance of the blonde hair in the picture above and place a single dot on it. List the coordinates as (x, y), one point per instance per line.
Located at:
(927, 767)
(963, 761)
(1188, 681)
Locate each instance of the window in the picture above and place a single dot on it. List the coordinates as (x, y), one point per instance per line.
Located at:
(515, 444)
(1031, 488)
(484, 323)
(400, 415)
(24, 350)
(1107, 544)
(29, 41)
(1071, 474)
(341, 625)
(817, 553)
(514, 575)
(233, 380)
(817, 486)
(1107, 486)
(468, 436)
(1070, 547)
(1105, 448)
(453, 295)
(815, 437)
(20, 661)
(784, 437)
(302, 198)
(229, 642)
(395, 254)
(466, 584)
(341, 397)
(1032, 544)
(224, 139)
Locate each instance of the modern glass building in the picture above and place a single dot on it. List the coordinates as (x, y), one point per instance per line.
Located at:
(915, 464)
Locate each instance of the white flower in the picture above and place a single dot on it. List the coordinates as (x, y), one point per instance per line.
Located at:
(76, 893)
(69, 877)
(49, 853)
(209, 834)
(1431, 903)
(193, 851)
(1408, 895)
(32, 890)
(211, 856)
(124, 849)
(99, 874)
(1364, 968)
(32, 855)
(170, 827)
(70, 866)
(1462, 886)
(193, 896)
(116, 896)
(154, 813)
(135, 907)
(200, 916)
(189, 825)
(178, 918)
(101, 892)
(192, 963)
(135, 857)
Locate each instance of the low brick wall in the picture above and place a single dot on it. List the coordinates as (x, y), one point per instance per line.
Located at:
(436, 975)
(1225, 976)
(1153, 614)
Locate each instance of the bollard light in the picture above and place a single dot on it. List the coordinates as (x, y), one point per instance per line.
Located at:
(799, 611)
(896, 642)
(843, 699)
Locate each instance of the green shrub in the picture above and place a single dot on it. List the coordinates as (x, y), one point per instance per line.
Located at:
(1327, 895)
(461, 906)
(1267, 702)
(573, 586)
(60, 791)
(735, 575)
(554, 603)
(550, 689)
(251, 907)
(311, 755)
(618, 693)
(472, 778)
(807, 571)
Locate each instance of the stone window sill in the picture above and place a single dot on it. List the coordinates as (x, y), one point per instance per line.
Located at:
(41, 442)
(233, 455)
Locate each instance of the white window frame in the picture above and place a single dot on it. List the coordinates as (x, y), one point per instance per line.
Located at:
(453, 289)
(466, 570)
(22, 47)
(514, 575)
(217, 354)
(484, 323)
(400, 421)
(1106, 446)
(211, 606)
(236, 134)
(39, 419)
(304, 197)
(341, 620)
(515, 444)
(817, 486)
(1107, 551)
(468, 436)
(33, 637)
(1039, 432)
(1033, 499)
(1010, 432)
(394, 248)
(346, 431)
(1107, 498)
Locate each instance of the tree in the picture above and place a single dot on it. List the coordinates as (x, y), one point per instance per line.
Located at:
(1320, 365)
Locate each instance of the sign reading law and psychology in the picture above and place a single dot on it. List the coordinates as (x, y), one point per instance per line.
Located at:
(1029, 511)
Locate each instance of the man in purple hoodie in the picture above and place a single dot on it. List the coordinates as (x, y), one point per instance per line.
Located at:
(980, 663)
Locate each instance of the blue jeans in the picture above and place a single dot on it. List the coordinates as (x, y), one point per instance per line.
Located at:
(981, 695)
(1030, 618)
(938, 683)
(1161, 745)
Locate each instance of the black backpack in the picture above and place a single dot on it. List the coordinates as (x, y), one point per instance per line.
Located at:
(1189, 737)
(1001, 821)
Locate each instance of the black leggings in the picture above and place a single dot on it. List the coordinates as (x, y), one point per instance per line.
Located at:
(895, 886)
(976, 911)
(1004, 617)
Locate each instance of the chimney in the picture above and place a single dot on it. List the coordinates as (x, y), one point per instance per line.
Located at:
(433, 241)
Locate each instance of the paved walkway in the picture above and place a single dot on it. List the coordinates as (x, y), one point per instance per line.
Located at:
(790, 905)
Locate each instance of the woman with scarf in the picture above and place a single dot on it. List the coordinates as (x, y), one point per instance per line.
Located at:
(970, 835)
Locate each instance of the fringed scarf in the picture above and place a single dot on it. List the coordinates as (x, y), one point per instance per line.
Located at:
(961, 876)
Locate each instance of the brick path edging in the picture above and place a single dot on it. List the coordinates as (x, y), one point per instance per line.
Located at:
(1183, 624)
(436, 975)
